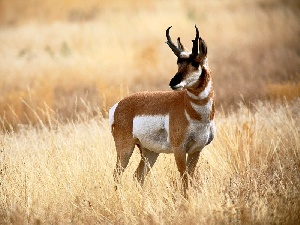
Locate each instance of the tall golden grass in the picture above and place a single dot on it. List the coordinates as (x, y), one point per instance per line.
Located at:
(64, 63)
(248, 175)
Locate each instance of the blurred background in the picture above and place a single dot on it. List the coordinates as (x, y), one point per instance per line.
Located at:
(60, 60)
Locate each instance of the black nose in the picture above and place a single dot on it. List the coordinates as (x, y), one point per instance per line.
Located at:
(175, 80)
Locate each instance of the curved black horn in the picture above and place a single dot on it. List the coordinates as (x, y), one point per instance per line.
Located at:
(195, 42)
(180, 46)
(171, 44)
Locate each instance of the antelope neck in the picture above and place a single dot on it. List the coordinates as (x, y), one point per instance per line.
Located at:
(202, 91)
(199, 105)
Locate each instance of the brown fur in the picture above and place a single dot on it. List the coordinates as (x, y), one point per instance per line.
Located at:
(153, 103)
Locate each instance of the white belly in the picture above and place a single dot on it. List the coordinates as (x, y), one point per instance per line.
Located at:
(152, 132)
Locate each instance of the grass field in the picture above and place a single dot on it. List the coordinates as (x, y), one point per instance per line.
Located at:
(63, 64)
(250, 174)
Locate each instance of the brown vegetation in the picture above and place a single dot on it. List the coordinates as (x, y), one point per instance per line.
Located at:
(64, 63)
(48, 59)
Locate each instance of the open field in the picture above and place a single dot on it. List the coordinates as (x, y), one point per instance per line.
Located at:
(63, 64)
(250, 174)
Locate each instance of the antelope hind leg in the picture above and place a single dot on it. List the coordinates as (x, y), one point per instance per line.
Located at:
(148, 158)
(124, 153)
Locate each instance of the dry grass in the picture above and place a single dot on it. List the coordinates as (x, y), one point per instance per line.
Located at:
(64, 63)
(250, 174)
(288, 90)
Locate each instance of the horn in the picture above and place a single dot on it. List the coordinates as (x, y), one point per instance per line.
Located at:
(195, 42)
(180, 46)
(176, 50)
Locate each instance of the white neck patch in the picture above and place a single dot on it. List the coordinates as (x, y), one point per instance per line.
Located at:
(203, 94)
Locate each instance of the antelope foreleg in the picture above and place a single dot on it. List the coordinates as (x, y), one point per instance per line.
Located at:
(192, 160)
(180, 158)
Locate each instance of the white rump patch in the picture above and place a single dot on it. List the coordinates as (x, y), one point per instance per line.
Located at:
(111, 114)
(152, 132)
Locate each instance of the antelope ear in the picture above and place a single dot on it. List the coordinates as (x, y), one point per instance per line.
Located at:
(202, 50)
(202, 47)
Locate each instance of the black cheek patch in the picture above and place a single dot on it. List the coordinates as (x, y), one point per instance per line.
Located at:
(195, 64)
(176, 79)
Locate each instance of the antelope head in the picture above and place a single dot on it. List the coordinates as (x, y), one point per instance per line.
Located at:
(190, 64)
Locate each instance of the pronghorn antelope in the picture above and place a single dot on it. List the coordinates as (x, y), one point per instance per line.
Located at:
(179, 122)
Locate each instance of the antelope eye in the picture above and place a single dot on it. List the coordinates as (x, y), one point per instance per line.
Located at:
(195, 64)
